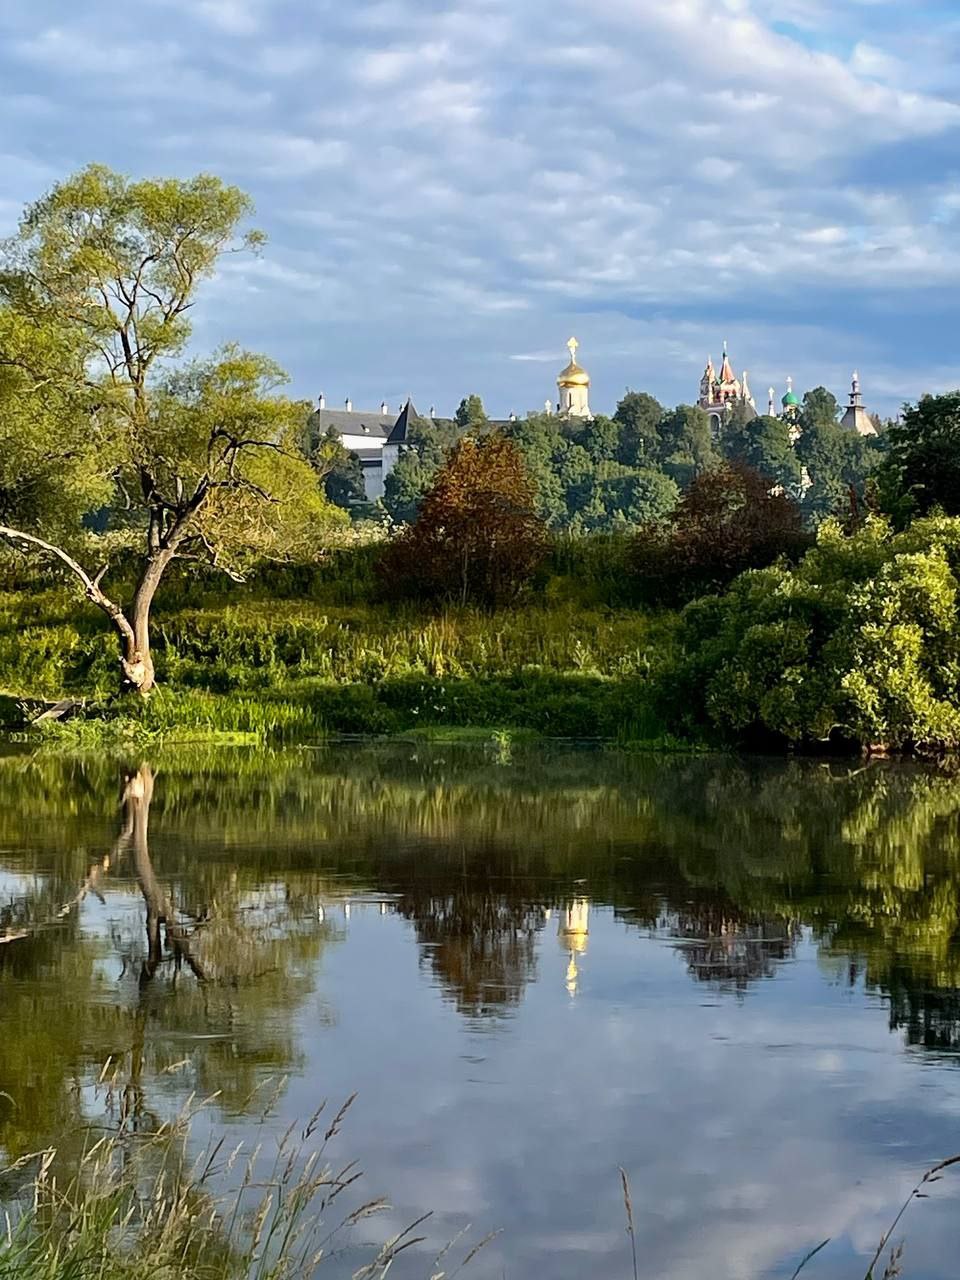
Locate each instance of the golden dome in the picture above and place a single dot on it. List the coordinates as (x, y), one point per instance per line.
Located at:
(573, 375)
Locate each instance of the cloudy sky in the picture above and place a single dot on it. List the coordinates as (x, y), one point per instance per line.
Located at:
(451, 187)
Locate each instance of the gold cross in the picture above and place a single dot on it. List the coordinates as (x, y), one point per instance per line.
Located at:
(572, 348)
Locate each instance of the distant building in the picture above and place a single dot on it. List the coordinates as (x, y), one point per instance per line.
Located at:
(376, 438)
(721, 393)
(856, 417)
(574, 387)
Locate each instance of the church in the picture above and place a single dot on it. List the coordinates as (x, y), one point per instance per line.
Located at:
(378, 437)
(722, 393)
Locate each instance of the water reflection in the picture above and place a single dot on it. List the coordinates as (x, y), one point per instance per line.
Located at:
(573, 931)
(594, 926)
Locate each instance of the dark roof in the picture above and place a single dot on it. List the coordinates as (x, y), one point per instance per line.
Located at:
(408, 414)
(357, 423)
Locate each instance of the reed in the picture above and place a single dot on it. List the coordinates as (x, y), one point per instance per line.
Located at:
(137, 1207)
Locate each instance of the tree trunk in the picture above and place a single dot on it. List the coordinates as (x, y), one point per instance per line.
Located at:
(136, 661)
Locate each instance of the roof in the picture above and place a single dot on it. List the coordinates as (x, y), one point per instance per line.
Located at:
(573, 376)
(408, 415)
(857, 419)
(357, 423)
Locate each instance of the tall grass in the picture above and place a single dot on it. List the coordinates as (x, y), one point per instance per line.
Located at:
(301, 668)
(136, 1207)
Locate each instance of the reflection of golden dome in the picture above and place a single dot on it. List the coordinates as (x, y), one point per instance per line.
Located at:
(575, 943)
(573, 376)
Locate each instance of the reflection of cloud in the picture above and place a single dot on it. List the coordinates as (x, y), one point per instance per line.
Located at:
(749, 1131)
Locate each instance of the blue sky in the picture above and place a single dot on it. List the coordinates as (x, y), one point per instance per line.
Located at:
(452, 187)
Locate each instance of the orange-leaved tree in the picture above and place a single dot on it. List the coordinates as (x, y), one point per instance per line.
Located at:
(477, 536)
(730, 519)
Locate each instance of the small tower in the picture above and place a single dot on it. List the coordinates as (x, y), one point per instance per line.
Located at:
(721, 393)
(856, 417)
(790, 405)
(771, 403)
(574, 385)
(791, 401)
(708, 382)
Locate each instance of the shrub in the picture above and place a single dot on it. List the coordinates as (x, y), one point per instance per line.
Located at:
(477, 536)
(861, 641)
(729, 520)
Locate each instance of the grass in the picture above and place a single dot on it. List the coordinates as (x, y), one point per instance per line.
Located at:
(136, 1207)
(283, 670)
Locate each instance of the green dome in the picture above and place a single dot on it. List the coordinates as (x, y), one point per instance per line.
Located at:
(790, 400)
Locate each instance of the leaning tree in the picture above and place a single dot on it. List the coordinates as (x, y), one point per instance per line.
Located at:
(100, 410)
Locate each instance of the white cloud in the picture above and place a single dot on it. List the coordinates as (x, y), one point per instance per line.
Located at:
(489, 158)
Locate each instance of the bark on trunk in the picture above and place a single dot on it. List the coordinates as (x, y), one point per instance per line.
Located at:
(136, 661)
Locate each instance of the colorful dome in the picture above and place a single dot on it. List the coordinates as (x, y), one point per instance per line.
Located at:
(790, 400)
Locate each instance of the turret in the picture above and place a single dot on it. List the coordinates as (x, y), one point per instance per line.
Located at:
(856, 417)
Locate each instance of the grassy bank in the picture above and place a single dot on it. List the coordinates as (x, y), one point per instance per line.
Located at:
(281, 668)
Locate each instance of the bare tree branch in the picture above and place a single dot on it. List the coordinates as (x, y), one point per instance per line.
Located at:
(91, 586)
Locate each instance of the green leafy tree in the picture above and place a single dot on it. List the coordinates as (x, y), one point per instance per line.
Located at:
(686, 444)
(471, 414)
(545, 451)
(600, 438)
(819, 409)
(95, 294)
(838, 468)
(617, 496)
(639, 416)
(923, 460)
(339, 469)
(859, 641)
(764, 445)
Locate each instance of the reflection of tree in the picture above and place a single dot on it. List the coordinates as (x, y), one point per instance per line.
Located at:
(171, 1024)
(479, 944)
(728, 949)
(160, 912)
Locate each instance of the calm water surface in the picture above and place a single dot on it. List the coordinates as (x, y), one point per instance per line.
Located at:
(737, 980)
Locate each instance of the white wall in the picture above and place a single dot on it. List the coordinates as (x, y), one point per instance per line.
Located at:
(358, 440)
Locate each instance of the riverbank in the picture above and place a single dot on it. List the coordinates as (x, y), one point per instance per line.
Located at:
(856, 648)
(300, 670)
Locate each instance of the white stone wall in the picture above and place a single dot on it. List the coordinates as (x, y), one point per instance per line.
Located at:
(575, 401)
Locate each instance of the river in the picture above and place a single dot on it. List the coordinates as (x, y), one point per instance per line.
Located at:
(737, 980)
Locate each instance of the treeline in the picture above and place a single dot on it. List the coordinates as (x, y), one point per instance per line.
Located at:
(615, 473)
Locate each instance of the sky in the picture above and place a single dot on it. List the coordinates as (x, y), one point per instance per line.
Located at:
(451, 188)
